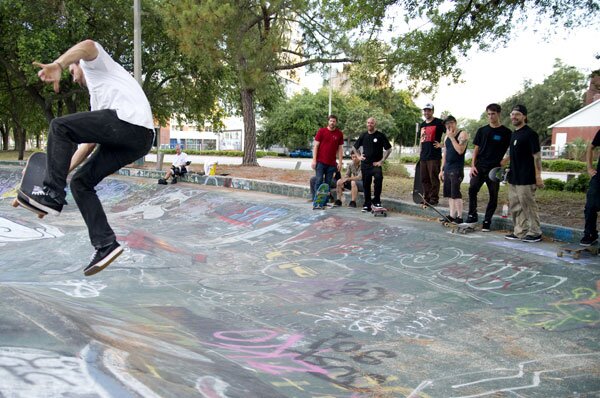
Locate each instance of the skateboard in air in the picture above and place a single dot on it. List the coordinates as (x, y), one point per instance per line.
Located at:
(498, 174)
(33, 176)
(575, 250)
(321, 197)
(463, 228)
(379, 211)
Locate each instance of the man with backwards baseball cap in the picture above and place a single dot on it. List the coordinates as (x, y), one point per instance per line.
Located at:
(430, 158)
(524, 177)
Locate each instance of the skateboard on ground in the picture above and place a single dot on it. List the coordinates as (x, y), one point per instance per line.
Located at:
(418, 186)
(33, 175)
(498, 174)
(321, 197)
(575, 250)
(463, 228)
(379, 211)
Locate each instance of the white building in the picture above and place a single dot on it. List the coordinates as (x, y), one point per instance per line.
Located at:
(192, 136)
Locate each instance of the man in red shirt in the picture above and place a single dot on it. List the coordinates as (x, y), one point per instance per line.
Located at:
(328, 146)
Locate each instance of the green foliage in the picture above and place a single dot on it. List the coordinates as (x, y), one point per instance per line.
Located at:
(576, 150)
(559, 95)
(578, 184)
(554, 184)
(564, 165)
(395, 169)
(408, 159)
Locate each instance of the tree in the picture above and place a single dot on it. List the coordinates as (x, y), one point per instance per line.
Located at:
(44, 29)
(559, 95)
(250, 41)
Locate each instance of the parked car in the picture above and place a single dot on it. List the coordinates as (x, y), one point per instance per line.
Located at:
(301, 153)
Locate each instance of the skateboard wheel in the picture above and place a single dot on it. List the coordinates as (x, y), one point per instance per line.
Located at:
(559, 254)
(15, 203)
(385, 214)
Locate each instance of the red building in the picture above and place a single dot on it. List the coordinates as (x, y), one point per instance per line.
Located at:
(583, 123)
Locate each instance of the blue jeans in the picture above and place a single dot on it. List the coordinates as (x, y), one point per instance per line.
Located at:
(592, 206)
(324, 174)
(119, 143)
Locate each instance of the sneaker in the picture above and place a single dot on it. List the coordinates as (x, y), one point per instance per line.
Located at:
(512, 237)
(40, 198)
(486, 226)
(448, 218)
(352, 204)
(588, 240)
(337, 202)
(174, 181)
(376, 204)
(531, 238)
(472, 218)
(458, 220)
(162, 181)
(102, 258)
(366, 209)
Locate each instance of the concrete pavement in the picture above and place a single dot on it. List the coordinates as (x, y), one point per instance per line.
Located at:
(234, 293)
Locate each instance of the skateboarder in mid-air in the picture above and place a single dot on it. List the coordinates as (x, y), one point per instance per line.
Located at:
(120, 128)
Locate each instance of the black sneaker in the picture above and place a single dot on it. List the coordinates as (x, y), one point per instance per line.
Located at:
(376, 204)
(162, 181)
(471, 219)
(512, 237)
(486, 226)
(588, 240)
(448, 218)
(366, 209)
(102, 258)
(458, 220)
(337, 202)
(531, 238)
(352, 204)
(40, 198)
(174, 181)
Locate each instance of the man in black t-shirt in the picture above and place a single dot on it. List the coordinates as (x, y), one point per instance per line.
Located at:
(373, 143)
(491, 142)
(592, 203)
(430, 158)
(524, 177)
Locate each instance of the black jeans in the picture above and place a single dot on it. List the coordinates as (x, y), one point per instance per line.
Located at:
(371, 174)
(430, 171)
(592, 206)
(475, 185)
(120, 143)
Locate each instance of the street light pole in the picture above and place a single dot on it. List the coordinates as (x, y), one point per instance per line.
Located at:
(137, 41)
(330, 88)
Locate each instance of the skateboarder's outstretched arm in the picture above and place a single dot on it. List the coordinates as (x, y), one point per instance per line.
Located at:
(51, 73)
(80, 155)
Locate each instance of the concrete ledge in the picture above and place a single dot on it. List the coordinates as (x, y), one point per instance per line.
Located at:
(556, 232)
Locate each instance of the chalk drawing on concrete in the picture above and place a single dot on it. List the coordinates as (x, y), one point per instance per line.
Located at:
(524, 378)
(307, 269)
(30, 372)
(212, 387)
(11, 231)
(82, 288)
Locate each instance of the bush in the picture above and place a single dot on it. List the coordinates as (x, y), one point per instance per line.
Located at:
(395, 169)
(408, 159)
(579, 184)
(554, 184)
(564, 165)
(575, 150)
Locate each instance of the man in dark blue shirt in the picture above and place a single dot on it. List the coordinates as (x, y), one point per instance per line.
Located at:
(592, 203)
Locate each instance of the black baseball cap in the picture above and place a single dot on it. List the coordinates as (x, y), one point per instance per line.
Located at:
(450, 118)
(520, 108)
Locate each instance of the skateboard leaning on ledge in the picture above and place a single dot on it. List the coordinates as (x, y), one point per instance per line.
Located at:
(33, 175)
(575, 250)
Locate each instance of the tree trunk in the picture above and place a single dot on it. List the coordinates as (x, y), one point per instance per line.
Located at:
(249, 128)
(19, 134)
(4, 134)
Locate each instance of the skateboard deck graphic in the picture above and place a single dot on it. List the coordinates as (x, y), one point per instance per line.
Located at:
(498, 174)
(418, 185)
(379, 211)
(575, 250)
(321, 197)
(33, 175)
